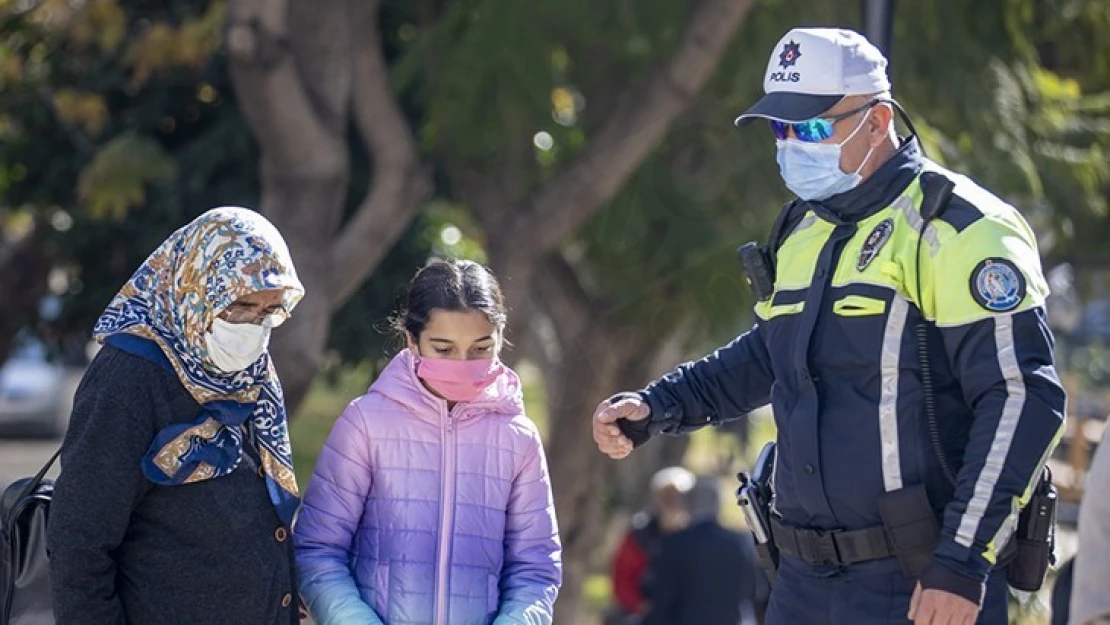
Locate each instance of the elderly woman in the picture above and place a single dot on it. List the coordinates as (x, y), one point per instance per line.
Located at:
(177, 488)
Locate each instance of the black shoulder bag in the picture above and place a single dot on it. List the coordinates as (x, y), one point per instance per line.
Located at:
(24, 572)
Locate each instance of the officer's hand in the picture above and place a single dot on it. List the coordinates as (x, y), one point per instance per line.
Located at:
(937, 607)
(606, 433)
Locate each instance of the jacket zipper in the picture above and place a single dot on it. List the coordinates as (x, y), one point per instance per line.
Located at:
(446, 516)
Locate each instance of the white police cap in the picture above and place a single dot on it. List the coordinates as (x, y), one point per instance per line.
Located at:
(811, 69)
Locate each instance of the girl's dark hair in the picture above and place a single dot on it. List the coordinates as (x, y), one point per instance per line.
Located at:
(453, 285)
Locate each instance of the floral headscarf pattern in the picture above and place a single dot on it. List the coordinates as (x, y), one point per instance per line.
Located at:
(171, 301)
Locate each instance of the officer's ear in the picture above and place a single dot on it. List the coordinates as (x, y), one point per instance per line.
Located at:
(879, 122)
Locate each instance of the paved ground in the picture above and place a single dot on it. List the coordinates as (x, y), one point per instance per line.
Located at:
(20, 457)
(23, 458)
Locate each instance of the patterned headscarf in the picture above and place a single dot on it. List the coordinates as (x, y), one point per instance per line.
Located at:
(163, 314)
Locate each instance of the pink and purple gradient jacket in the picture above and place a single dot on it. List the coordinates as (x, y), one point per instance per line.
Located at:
(417, 514)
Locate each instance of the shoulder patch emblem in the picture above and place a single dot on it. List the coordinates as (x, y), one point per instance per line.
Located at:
(875, 242)
(997, 285)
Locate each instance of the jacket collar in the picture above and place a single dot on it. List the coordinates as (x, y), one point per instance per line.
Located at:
(878, 191)
(399, 382)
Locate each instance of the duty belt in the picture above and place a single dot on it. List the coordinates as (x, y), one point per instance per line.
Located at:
(832, 547)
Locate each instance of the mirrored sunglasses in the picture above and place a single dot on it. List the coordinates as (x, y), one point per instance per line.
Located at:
(816, 129)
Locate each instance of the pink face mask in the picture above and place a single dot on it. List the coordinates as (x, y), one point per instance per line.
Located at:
(458, 380)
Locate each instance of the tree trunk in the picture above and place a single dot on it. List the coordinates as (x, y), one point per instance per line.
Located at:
(579, 472)
(632, 476)
(591, 360)
(24, 268)
(293, 202)
(302, 70)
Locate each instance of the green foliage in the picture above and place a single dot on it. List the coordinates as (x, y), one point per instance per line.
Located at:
(117, 176)
(102, 102)
(1018, 95)
(973, 79)
(128, 147)
(361, 330)
(326, 400)
(489, 74)
(664, 252)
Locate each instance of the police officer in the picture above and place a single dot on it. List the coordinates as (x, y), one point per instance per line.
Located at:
(904, 351)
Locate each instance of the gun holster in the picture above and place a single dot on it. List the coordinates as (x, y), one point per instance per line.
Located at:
(1035, 538)
(911, 527)
(754, 498)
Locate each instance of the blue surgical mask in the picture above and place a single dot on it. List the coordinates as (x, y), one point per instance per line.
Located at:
(812, 170)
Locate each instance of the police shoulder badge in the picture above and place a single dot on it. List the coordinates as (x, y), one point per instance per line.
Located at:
(875, 242)
(997, 285)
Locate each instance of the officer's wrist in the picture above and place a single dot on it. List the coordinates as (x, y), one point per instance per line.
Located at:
(635, 430)
(940, 577)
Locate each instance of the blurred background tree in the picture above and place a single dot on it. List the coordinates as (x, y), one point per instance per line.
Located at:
(583, 149)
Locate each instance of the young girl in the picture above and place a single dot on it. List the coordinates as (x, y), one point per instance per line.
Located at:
(431, 503)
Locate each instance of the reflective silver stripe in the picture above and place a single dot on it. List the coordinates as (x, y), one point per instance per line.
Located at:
(913, 218)
(1003, 435)
(888, 397)
(1009, 525)
(808, 221)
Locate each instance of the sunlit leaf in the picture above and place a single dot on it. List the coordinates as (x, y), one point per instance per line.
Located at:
(154, 49)
(198, 39)
(54, 15)
(162, 46)
(83, 108)
(102, 22)
(116, 178)
(11, 69)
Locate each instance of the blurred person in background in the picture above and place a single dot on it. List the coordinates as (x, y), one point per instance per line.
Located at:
(1090, 596)
(631, 566)
(177, 490)
(1061, 593)
(704, 574)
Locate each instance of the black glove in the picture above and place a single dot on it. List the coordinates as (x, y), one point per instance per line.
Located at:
(636, 431)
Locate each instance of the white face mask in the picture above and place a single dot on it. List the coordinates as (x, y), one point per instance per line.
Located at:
(812, 170)
(235, 346)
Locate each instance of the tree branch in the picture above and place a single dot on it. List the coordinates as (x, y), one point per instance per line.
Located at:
(270, 92)
(399, 180)
(323, 39)
(634, 128)
(564, 299)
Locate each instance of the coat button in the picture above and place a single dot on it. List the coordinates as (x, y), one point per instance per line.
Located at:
(281, 534)
(809, 469)
(820, 273)
(286, 599)
(261, 472)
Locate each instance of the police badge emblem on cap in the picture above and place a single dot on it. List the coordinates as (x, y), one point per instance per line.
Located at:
(997, 285)
(811, 69)
(874, 243)
(790, 53)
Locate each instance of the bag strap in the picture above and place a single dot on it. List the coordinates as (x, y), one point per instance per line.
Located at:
(33, 484)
